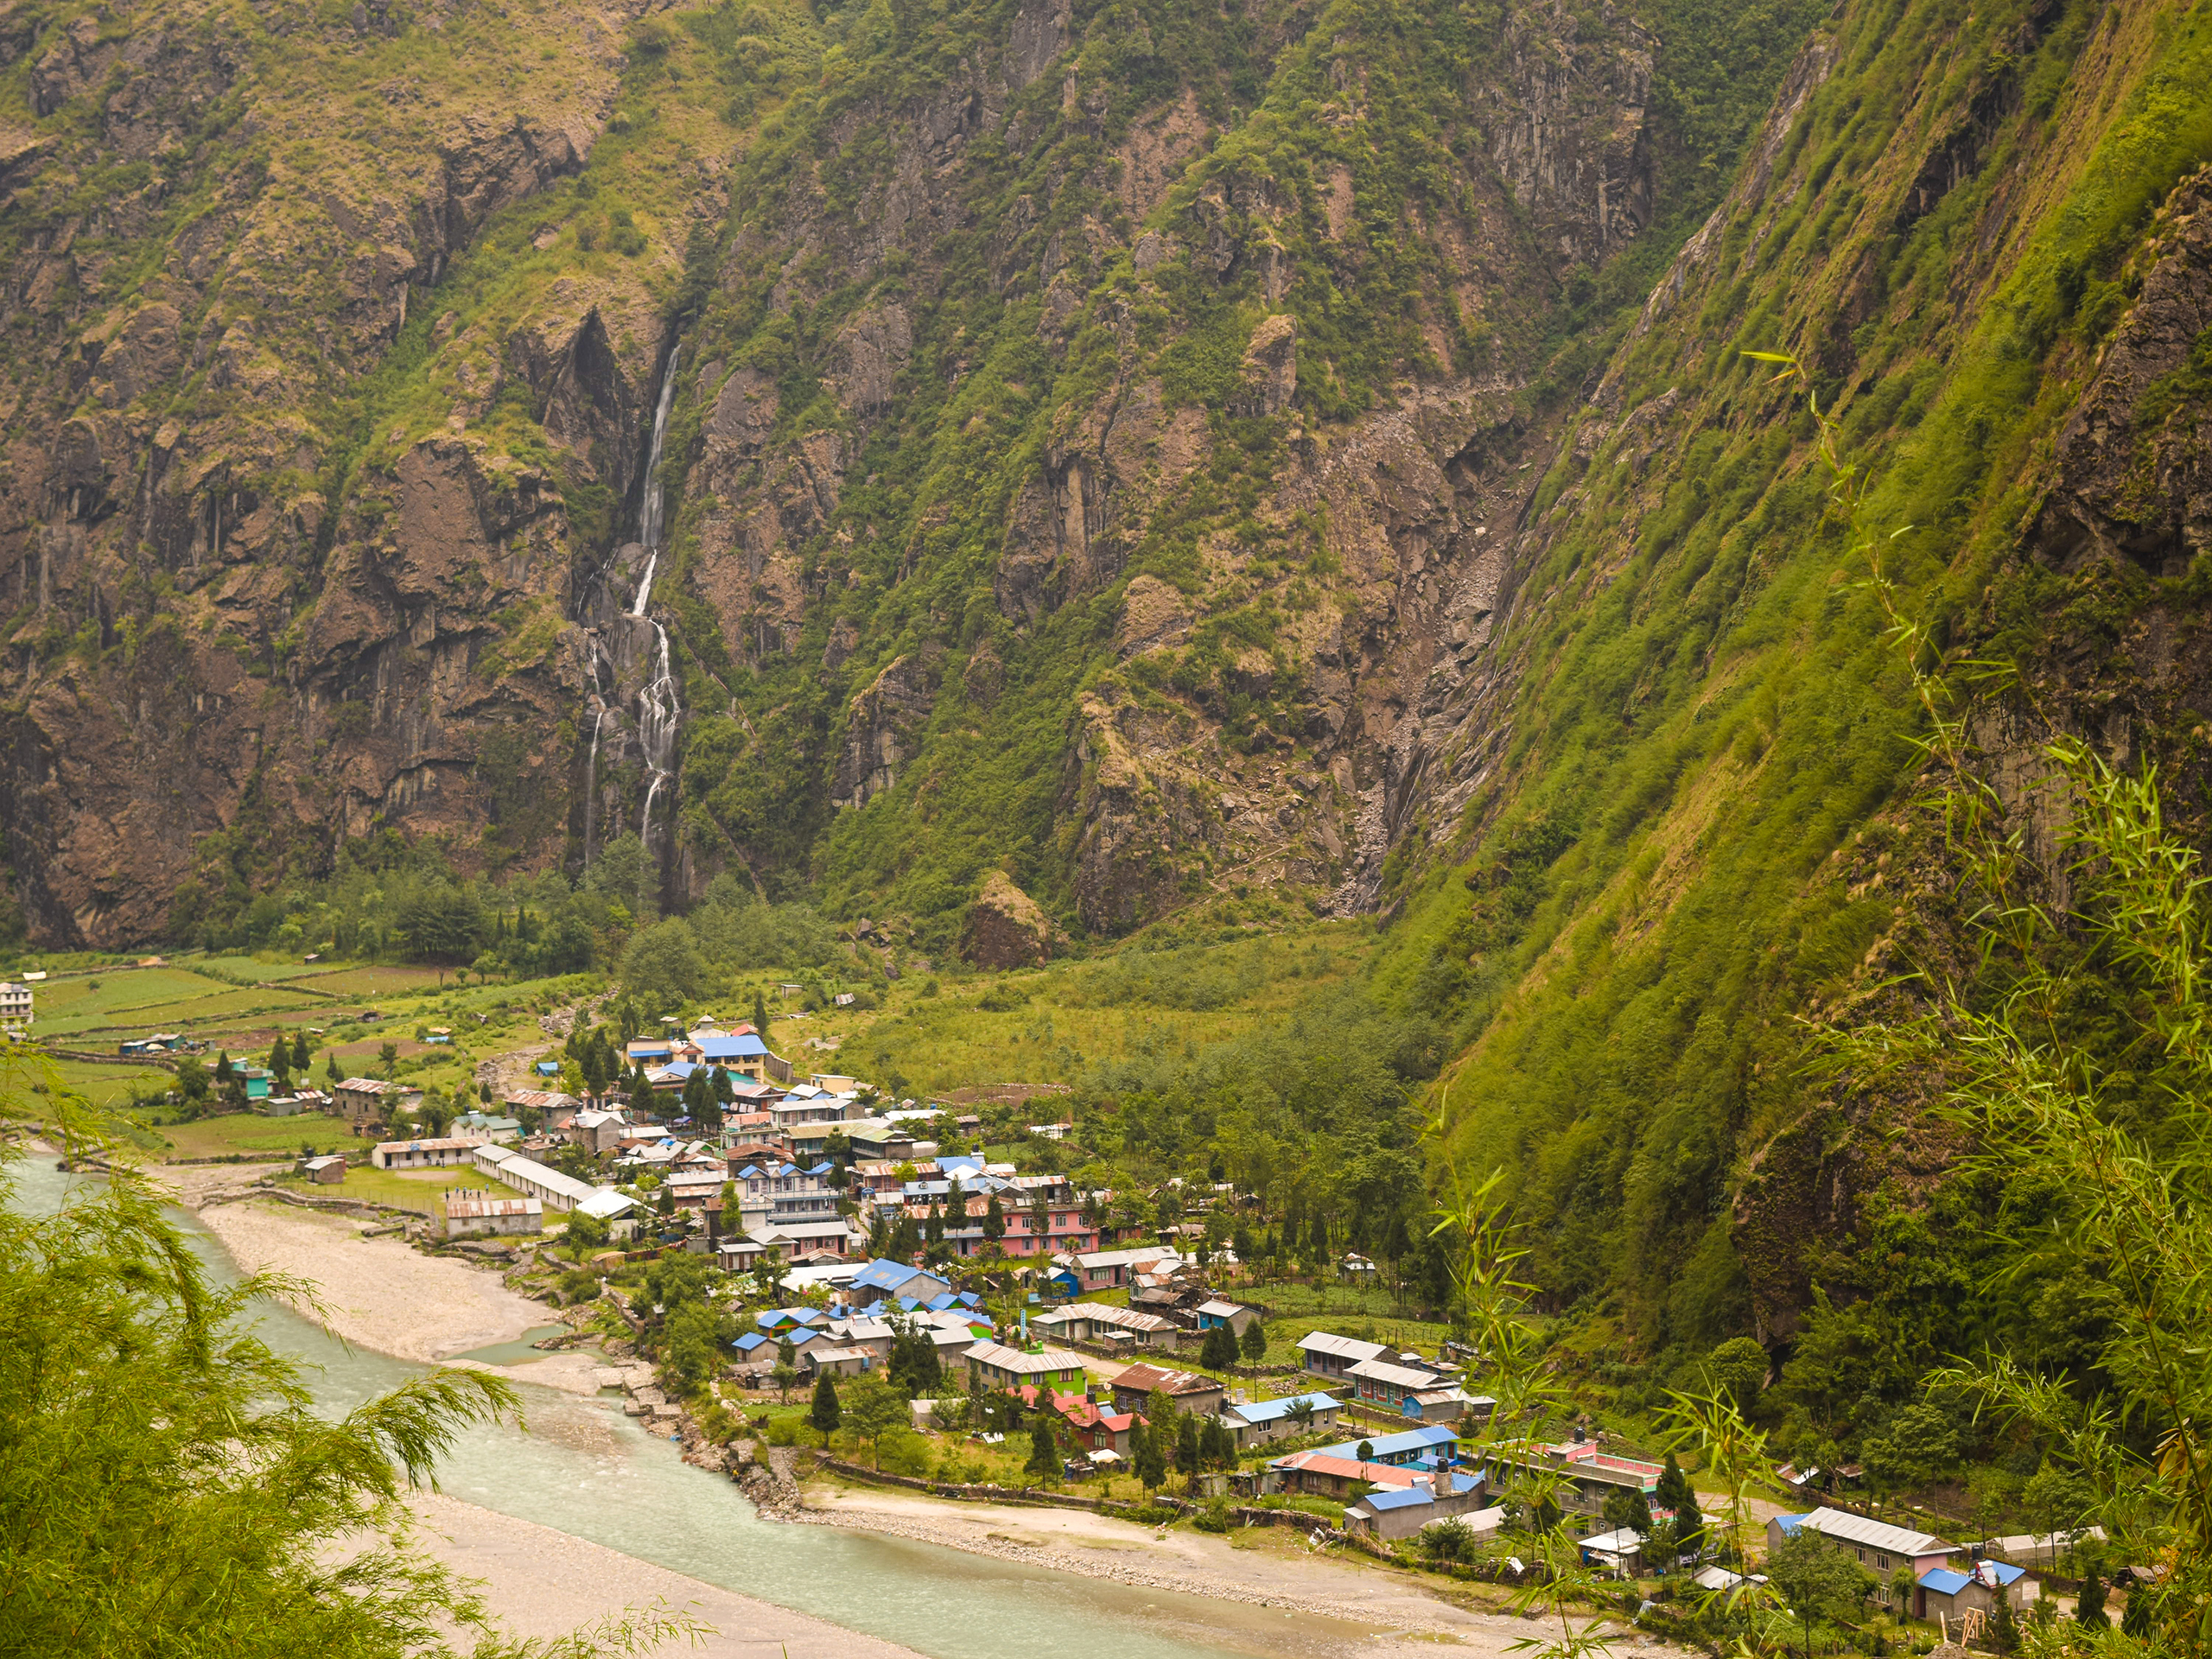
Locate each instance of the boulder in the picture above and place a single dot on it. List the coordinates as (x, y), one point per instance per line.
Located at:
(1005, 929)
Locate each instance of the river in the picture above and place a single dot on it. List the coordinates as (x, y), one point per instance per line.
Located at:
(585, 1468)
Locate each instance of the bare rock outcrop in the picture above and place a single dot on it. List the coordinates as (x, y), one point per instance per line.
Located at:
(1006, 928)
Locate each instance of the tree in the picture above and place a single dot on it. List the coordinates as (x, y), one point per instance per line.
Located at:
(691, 1349)
(1254, 1343)
(1627, 1509)
(662, 969)
(1815, 1581)
(1739, 1365)
(1218, 1351)
(1216, 1443)
(993, 1220)
(871, 1409)
(1686, 1532)
(784, 1374)
(192, 1083)
(826, 1415)
(2089, 1606)
(1044, 1447)
(388, 1059)
(2004, 1623)
(1919, 1448)
(760, 1013)
(1301, 1413)
(1151, 1462)
(173, 1486)
(1186, 1443)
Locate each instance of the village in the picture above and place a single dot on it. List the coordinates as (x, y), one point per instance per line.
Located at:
(887, 1305)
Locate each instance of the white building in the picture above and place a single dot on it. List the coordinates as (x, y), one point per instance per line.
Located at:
(14, 1004)
(444, 1154)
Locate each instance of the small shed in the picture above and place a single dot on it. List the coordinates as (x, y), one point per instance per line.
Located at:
(326, 1171)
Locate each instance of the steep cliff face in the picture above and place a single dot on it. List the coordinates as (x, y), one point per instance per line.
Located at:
(1672, 802)
(282, 563)
(1092, 427)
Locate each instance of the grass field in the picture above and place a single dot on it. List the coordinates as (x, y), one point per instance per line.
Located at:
(410, 1188)
(257, 969)
(1048, 1025)
(379, 980)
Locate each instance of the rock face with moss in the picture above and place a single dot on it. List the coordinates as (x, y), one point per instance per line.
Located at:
(1173, 455)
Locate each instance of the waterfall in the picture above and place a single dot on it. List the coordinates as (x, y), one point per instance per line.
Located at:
(659, 710)
(649, 507)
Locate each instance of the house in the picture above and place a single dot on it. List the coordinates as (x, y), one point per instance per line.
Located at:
(1111, 1269)
(1875, 1544)
(743, 1056)
(1109, 1327)
(553, 1107)
(1094, 1431)
(1263, 1421)
(15, 1004)
(486, 1127)
(255, 1082)
(550, 1186)
(1322, 1474)
(833, 1237)
(596, 1132)
(835, 1361)
(1231, 1314)
(326, 1171)
(1404, 1511)
(474, 1214)
(1324, 1353)
(738, 1255)
(444, 1154)
(1446, 1405)
(1410, 1448)
(879, 1280)
(994, 1365)
(1186, 1390)
(1619, 1552)
(1386, 1381)
(1941, 1592)
(364, 1100)
(648, 1051)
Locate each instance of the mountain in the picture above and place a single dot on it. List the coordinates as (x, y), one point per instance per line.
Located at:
(1081, 439)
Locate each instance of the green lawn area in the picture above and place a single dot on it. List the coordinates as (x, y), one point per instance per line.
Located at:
(259, 1136)
(262, 969)
(411, 1188)
(1066, 1015)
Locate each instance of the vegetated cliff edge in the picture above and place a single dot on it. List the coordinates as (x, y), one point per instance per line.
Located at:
(1985, 233)
(1092, 427)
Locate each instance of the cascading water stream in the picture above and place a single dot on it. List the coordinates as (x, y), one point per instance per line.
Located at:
(649, 508)
(660, 708)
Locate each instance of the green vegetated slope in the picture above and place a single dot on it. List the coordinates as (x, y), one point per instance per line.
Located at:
(984, 399)
(324, 435)
(1699, 843)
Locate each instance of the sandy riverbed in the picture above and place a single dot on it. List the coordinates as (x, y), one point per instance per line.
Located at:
(382, 1294)
(1275, 1568)
(539, 1582)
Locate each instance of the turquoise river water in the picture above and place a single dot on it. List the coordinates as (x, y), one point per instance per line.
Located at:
(586, 1469)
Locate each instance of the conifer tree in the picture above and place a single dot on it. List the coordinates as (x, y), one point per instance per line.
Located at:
(825, 1414)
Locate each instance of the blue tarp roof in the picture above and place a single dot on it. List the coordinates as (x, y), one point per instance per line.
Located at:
(749, 1341)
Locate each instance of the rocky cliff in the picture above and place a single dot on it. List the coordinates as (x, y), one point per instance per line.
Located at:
(1093, 429)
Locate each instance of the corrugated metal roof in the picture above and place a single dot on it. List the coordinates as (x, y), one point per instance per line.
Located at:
(1351, 1348)
(1875, 1534)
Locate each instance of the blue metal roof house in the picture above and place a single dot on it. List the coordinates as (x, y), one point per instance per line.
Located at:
(1417, 1448)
